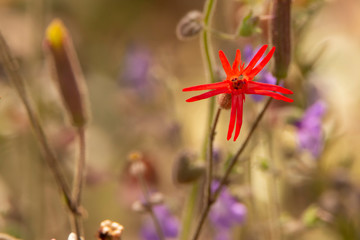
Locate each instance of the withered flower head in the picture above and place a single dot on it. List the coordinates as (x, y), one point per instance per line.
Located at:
(110, 230)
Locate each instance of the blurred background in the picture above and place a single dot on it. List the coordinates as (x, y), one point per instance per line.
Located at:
(135, 68)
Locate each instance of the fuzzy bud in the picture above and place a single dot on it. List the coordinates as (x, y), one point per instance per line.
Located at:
(185, 171)
(224, 100)
(110, 230)
(190, 25)
(280, 29)
(67, 72)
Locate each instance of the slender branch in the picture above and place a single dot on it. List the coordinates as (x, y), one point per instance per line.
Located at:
(235, 158)
(209, 175)
(79, 179)
(209, 169)
(13, 73)
(229, 169)
(149, 206)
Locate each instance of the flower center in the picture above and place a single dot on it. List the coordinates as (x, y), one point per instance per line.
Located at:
(238, 82)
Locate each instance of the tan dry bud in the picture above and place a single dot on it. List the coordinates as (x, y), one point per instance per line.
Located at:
(67, 72)
(224, 100)
(281, 40)
(190, 25)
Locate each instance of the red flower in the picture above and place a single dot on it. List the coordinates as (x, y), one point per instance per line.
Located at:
(238, 83)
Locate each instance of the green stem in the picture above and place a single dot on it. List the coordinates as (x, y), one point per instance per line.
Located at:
(188, 216)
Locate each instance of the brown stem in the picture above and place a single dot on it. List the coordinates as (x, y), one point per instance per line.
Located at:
(149, 206)
(230, 167)
(209, 173)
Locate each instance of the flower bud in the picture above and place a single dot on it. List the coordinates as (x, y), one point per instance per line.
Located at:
(249, 25)
(67, 72)
(185, 171)
(280, 29)
(190, 25)
(224, 100)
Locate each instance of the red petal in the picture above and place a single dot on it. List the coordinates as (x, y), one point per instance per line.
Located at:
(225, 63)
(236, 63)
(262, 64)
(255, 59)
(240, 100)
(206, 95)
(232, 117)
(270, 94)
(268, 87)
(208, 86)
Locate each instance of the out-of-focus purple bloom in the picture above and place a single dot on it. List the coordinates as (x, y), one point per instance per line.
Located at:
(136, 67)
(225, 213)
(217, 155)
(309, 130)
(169, 224)
(264, 76)
(222, 234)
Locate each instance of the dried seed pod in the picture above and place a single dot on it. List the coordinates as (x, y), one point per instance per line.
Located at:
(67, 72)
(281, 40)
(190, 25)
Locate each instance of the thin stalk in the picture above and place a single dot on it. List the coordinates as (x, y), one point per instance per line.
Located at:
(274, 196)
(12, 70)
(209, 176)
(188, 212)
(79, 179)
(209, 168)
(229, 169)
(205, 43)
(149, 206)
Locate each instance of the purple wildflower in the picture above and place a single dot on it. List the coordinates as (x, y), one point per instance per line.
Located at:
(309, 130)
(264, 76)
(169, 224)
(136, 67)
(225, 213)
